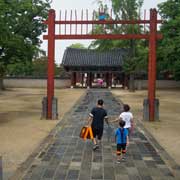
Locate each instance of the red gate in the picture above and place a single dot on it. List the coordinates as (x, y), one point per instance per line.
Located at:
(152, 36)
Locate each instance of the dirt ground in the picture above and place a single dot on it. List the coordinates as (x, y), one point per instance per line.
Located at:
(21, 129)
(167, 130)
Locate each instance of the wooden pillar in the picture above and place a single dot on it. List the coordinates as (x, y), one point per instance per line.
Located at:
(110, 80)
(73, 79)
(51, 47)
(107, 79)
(152, 64)
(78, 77)
(126, 82)
(91, 79)
(82, 79)
(88, 80)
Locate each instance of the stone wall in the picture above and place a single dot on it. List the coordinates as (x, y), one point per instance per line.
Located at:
(160, 84)
(61, 83)
(34, 83)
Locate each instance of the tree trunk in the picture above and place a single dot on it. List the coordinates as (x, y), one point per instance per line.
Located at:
(1, 84)
(131, 82)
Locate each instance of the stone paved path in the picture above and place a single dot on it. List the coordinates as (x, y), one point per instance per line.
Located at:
(67, 157)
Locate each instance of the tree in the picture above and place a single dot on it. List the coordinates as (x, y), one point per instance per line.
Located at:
(21, 25)
(40, 67)
(169, 47)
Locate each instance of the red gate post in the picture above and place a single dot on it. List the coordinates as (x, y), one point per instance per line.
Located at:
(51, 47)
(152, 64)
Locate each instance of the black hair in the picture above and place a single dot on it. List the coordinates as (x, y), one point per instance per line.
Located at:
(122, 123)
(126, 107)
(100, 102)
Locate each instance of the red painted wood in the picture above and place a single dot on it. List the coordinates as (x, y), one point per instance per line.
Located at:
(51, 47)
(73, 79)
(105, 21)
(104, 36)
(152, 64)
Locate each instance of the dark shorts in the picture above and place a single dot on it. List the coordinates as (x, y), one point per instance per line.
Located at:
(97, 132)
(129, 131)
(121, 148)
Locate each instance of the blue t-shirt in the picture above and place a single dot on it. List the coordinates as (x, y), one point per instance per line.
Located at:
(121, 135)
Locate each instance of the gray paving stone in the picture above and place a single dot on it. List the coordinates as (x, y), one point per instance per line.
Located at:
(132, 171)
(155, 172)
(120, 169)
(134, 177)
(109, 173)
(122, 177)
(97, 174)
(49, 173)
(73, 174)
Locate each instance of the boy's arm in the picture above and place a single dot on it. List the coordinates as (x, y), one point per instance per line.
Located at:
(127, 140)
(115, 120)
(115, 138)
(132, 124)
(106, 120)
(90, 118)
(89, 121)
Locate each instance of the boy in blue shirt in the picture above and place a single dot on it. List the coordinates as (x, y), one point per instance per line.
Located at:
(122, 140)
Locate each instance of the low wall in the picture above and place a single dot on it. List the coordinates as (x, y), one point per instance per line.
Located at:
(62, 83)
(34, 83)
(160, 84)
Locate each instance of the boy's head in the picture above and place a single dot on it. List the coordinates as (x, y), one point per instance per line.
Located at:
(122, 123)
(100, 102)
(126, 107)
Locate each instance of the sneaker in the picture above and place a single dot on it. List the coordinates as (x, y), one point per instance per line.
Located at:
(118, 161)
(95, 147)
(123, 158)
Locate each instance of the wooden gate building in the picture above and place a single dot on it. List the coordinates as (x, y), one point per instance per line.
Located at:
(87, 65)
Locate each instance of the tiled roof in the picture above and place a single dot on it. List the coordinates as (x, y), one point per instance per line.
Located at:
(92, 58)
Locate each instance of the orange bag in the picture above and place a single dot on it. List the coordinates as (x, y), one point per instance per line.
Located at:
(86, 133)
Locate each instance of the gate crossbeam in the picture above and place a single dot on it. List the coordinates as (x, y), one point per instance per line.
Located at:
(104, 22)
(103, 36)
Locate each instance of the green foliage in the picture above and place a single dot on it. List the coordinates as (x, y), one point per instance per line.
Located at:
(177, 70)
(20, 68)
(126, 9)
(63, 73)
(40, 66)
(169, 48)
(20, 28)
(77, 45)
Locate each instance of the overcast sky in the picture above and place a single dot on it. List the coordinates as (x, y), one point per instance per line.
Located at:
(79, 5)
